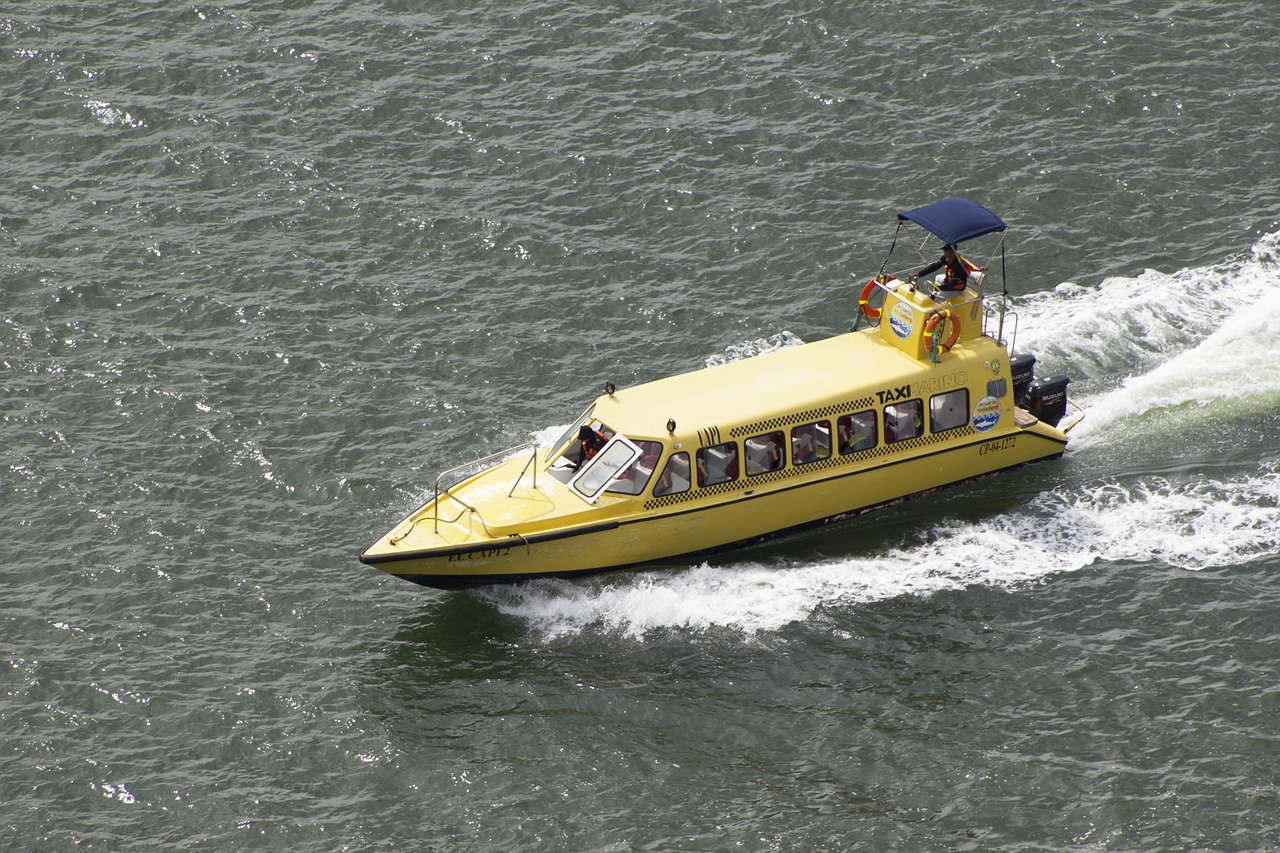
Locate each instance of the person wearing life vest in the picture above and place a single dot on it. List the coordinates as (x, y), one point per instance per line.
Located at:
(589, 443)
(954, 278)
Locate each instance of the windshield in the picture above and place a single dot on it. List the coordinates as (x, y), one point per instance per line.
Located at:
(570, 432)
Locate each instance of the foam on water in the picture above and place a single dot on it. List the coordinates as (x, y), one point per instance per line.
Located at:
(1193, 336)
(773, 343)
(1210, 524)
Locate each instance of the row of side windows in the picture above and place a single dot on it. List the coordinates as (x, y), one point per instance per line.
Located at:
(812, 442)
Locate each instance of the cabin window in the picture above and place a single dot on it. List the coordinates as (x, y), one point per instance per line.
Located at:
(949, 410)
(856, 432)
(633, 480)
(811, 442)
(674, 478)
(763, 453)
(903, 421)
(718, 464)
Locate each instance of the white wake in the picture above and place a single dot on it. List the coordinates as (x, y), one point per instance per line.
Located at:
(1139, 344)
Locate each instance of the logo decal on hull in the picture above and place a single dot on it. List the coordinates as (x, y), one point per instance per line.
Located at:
(986, 414)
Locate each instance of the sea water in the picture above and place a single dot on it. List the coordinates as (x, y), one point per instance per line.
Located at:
(268, 268)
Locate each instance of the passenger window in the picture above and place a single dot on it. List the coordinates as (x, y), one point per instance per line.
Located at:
(856, 432)
(763, 453)
(811, 442)
(636, 477)
(903, 421)
(949, 410)
(675, 476)
(718, 464)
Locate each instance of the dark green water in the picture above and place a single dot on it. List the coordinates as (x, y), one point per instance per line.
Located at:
(269, 267)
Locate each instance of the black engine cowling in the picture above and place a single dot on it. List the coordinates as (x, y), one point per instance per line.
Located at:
(1047, 398)
(1023, 366)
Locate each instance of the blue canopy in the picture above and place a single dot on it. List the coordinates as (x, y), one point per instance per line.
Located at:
(955, 220)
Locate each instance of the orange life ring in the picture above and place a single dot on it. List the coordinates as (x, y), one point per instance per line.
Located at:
(934, 319)
(864, 301)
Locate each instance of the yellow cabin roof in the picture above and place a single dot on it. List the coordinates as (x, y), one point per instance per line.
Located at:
(774, 384)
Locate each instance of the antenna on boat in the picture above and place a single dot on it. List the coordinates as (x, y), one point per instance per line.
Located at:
(880, 276)
(892, 246)
(1004, 291)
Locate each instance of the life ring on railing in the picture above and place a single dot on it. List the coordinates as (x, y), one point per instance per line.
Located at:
(864, 301)
(934, 320)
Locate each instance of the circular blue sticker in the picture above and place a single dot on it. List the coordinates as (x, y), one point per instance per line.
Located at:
(986, 414)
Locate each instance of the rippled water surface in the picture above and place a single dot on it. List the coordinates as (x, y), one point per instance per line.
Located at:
(267, 268)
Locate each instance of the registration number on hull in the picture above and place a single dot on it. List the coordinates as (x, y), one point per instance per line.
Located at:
(482, 554)
(998, 445)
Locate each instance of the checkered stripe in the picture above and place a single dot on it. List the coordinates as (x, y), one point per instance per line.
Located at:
(801, 418)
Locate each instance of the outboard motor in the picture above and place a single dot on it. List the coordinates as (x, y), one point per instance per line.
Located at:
(1023, 368)
(1047, 398)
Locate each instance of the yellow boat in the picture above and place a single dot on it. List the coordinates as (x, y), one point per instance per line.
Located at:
(925, 396)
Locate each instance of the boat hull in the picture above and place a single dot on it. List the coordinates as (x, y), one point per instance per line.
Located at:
(738, 519)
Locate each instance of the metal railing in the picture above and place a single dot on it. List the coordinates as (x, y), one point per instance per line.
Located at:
(509, 453)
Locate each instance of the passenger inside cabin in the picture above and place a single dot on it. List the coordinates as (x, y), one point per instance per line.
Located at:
(589, 443)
